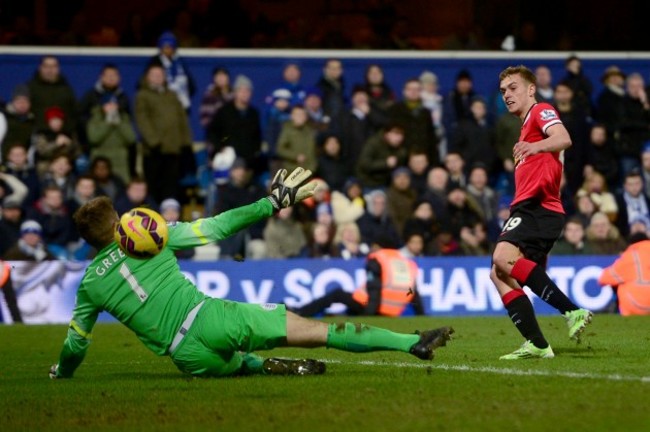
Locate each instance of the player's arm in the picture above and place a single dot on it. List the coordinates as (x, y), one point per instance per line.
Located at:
(557, 139)
(286, 190)
(78, 337)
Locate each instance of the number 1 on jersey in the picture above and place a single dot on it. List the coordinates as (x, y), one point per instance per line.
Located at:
(133, 282)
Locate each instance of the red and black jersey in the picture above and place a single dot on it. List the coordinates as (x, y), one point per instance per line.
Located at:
(539, 176)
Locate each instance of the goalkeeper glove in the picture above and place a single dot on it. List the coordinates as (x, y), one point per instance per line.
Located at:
(286, 191)
(53, 371)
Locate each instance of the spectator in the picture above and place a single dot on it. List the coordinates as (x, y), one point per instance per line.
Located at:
(317, 117)
(585, 209)
(573, 241)
(320, 243)
(216, 95)
(17, 165)
(413, 246)
(237, 125)
(278, 112)
(457, 103)
(56, 222)
(474, 138)
(30, 246)
(20, 121)
(495, 226)
(84, 190)
(332, 88)
(400, 197)
(297, 142)
(579, 83)
(575, 120)
(49, 88)
(418, 164)
(601, 156)
(165, 132)
(605, 237)
(462, 211)
(434, 102)
(544, 86)
(415, 119)
(176, 73)
(170, 210)
(628, 278)
(594, 186)
(423, 221)
(135, 195)
(107, 88)
(455, 165)
(484, 195)
(436, 193)
(241, 190)
(332, 167)
(635, 124)
(291, 76)
(506, 134)
(53, 140)
(348, 241)
(380, 94)
(111, 134)
(12, 217)
(474, 240)
(360, 123)
(376, 224)
(284, 235)
(609, 104)
(59, 174)
(101, 170)
(381, 154)
(631, 202)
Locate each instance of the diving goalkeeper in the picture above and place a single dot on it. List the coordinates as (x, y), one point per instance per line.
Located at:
(206, 336)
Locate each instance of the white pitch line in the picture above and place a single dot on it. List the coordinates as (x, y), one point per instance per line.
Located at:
(499, 371)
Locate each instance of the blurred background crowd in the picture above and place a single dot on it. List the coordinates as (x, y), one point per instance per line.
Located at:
(428, 167)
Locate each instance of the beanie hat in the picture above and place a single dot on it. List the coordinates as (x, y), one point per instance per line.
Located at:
(30, 226)
(21, 90)
(167, 38)
(54, 112)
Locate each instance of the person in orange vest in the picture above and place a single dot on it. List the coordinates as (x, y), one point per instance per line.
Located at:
(8, 290)
(390, 286)
(629, 276)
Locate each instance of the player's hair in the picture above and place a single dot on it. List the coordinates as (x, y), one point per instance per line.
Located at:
(521, 70)
(95, 221)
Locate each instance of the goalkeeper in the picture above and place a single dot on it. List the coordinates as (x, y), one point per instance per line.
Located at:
(206, 336)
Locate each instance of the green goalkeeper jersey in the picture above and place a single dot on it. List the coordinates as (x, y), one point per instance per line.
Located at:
(151, 296)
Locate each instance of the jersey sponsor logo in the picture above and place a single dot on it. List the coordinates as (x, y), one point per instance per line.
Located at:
(269, 306)
(547, 114)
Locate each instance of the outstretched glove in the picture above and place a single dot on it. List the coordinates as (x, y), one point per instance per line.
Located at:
(53, 370)
(286, 191)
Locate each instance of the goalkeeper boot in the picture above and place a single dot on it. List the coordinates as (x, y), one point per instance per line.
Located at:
(429, 341)
(528, 351)
(280, 366)
(577, 320)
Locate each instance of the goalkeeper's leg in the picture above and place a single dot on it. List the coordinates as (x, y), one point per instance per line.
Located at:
(303, 332)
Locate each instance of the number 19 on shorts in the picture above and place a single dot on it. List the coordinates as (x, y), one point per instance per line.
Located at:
(511, 224)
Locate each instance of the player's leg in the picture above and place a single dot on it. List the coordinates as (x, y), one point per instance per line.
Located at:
(303, 332)
(520, 309)
(338, 295)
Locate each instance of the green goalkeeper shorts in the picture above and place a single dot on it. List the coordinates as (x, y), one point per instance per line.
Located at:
(223, 330)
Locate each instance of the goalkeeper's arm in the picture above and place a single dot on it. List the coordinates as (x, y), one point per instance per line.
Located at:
(73, 352)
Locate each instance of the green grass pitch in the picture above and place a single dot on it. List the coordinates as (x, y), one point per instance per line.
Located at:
(602, 384)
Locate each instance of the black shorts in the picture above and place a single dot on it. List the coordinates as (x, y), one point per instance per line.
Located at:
(533, 229)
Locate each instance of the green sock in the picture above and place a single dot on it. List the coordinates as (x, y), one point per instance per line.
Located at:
(364, 338)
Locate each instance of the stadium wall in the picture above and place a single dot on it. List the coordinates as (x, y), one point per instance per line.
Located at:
(81, 66)
(449, 286)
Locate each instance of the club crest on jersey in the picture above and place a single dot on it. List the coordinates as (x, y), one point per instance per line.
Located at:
(547, 115)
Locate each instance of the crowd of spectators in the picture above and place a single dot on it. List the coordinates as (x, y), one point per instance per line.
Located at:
(431, 169)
